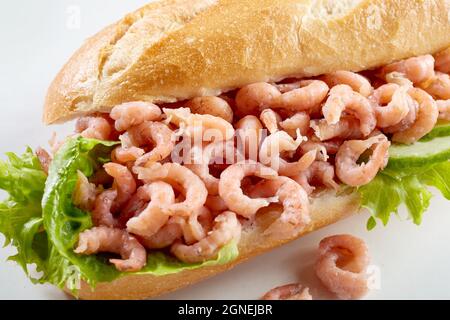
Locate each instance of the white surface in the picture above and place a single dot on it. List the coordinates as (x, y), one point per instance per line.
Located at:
(36, 41)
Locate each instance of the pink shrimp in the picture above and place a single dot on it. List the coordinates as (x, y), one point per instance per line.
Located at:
(294, 291)
(251, 99)
(417, 69)
(227, 228)
(149, 221)
(298, 122)
(94, 128)
(439, 87)
(214, 106)
(426, 119)
(105, 239)
(358, 82)
(444, 109)
(353, 174)
(443, 61)
(194, 189)
(124, 182)
(126, 155)
(249, 134)
(216, 204)
(131, 114)
(343, 98)
(231, 192)
(44, 159)
(346, 128)
(166, 236)
(102, 215)
(270, 119)
(349, 281)
(84, 194)
(197, 226)
(319, 173)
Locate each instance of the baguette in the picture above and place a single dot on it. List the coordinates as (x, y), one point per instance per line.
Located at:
(174, 50)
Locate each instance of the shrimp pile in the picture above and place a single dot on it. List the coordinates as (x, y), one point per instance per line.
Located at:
(187, 176)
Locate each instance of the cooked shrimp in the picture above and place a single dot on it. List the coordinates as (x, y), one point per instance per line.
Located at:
(251, 99)
(270, 119)
(249, 133)
(227, 228)
(358, 82)
(343, 98)
(351, 280)
(398, 79)
(104, 239)
(319, 173)
(307, 97)
(153, 132)
(443, 61)
(175, 174)
(231, 192)
(197, 225)
(84, 193)
(126, 155)
(353, 174)
(398, 104)
(216, 204)
(205, 126)
(102, 215)
(279, 142)
(346, 128)
(166, 236)
(323, 148)
(131, 114)
(299, 121)
(417, 69)
(93, 128)
(149, 221)
(214, 106)
(293, 291)
(44, 159)
(426, 119)
(124, 182)
(439, 87)
(444, 109)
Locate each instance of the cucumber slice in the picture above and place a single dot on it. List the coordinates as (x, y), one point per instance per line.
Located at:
(442, 129)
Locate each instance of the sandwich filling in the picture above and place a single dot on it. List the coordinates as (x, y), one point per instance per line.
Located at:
(157, 189)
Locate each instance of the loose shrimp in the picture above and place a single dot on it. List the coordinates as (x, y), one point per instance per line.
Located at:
(270, 120)
(197, 226)
(105, 239)
(205, 126)
(93, 128)
(426, 119)
(293, 291)
(165, 237)
(353, 174)
(299, 121)
(124, 182)
(251, 99)
(131, 114)
(319, 173)
(216, 204)
(439, 87)
(346, 128)
(343, 98)
(153, 132)
(349, 281)
(356, 81)
(85, 193)
(417, 69)
(44, 159)
(227, 228)
(175, 174)
(148, 222)
(126, 155)
(249, 133)
(444, 109)
(308, 95)
(398, 104)
(213, 106)
(279, 142)
(231, 192)
(102, 215)
(443, 61)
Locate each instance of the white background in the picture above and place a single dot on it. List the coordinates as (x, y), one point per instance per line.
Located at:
(39, 36)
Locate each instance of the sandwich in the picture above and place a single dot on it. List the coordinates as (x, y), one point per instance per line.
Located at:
(212, 131)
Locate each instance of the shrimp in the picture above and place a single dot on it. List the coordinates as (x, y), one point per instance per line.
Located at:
(126, 155)
(156, 132)
(398, 104)
(299, 121)
(175, 174)
(231, 192)
(93, 128)
(320, 172)
(131, 114)
(307, 97)
(214, 106)
(102, 215)
(417, 69)
(165, 237)
(426, 119)
(346, 128)
(349, 281)
(44, 159)
(444, 109)
(124, 182)
(205, 126)
(270, 119)
(443, 61)
(323, 148)
(251, 99)
(353, 174)
(105, 239)
(149, 221)
(279, 142)
(343, 98)
(439, 87)
(356, 81)
(293, 291)
(216, 204)
(227, 228)
(84, 194)
(197, 226)
(398, 79)
(249, 133)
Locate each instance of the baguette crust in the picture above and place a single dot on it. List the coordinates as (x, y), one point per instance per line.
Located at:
(176, 49)
(327, 209)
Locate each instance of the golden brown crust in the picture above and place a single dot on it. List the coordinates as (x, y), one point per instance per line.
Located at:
(326, 209)
(177, 49)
